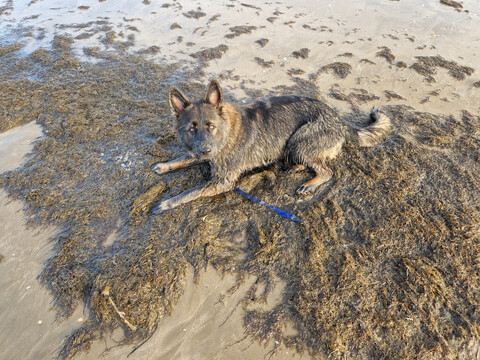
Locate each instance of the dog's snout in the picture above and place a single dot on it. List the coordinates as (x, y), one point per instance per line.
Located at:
(206, 150)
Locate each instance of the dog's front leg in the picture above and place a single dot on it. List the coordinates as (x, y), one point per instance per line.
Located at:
(210, 189)
(181, 162)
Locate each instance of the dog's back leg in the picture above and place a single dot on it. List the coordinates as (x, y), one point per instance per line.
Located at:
(322, 175)
(312, 145)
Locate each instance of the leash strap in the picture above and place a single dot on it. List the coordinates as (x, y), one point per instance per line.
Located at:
(280, 212)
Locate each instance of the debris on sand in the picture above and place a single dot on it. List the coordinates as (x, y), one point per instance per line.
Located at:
(240, 30)
(262, 42)
(194, 14)
(295, 71)
(362, 96)
(301, 54)
(345, 54)
(452, 3)
(263, 63)
(211, 53)
(367, 61)
(426, 66)
(357, 96)
(392, 95)
(339, 69)
(250, 6)
(386, 53)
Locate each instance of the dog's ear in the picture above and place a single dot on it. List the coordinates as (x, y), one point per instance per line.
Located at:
(214, 95)
(178, 101)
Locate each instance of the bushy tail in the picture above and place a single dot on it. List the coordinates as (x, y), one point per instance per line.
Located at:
(374, 133)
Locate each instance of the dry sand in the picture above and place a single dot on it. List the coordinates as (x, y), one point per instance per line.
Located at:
(376, 42)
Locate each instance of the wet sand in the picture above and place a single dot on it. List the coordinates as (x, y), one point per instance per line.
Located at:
(357, 56)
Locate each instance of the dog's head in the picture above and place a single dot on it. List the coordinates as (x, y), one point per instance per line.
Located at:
(202, 126)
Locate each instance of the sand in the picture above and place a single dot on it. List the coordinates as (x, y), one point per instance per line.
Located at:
(424, 55)
(29, 330)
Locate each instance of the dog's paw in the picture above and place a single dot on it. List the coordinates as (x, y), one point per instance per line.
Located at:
(161, 207)
(311, 186)
(306, 189)
(160, 168)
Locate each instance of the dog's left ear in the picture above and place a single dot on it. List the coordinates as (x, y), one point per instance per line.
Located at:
(178, 102)
(214, 95)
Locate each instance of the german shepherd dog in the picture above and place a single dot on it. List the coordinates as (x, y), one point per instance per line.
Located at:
(235, 139)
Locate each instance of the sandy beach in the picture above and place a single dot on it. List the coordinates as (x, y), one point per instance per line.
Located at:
(388, 259)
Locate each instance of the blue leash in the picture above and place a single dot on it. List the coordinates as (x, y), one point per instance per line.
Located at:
(258, 201)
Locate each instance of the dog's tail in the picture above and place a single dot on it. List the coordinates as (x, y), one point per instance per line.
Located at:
(374, 133)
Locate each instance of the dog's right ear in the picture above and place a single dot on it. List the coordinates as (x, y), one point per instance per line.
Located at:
(178, 101)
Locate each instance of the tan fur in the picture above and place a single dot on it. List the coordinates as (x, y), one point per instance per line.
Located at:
(376, 132)
(232, 117)
(332, 152)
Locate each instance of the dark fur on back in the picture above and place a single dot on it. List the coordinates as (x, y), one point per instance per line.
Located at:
(235, 139)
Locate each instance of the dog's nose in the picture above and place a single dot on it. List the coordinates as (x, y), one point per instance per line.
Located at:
(205, 149)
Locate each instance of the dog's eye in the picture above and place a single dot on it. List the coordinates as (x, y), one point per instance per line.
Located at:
(211, 127)
(192, 129)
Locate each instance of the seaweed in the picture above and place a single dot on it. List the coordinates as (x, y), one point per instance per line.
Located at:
(367, 61)
(426, 66)
(262, 42)
(194, 14)
(385, 265)
(250, 6)
(295, 71)
(301, 54)
(211, 53)
(263, 63)
(452, 3)
(355, 97)
(389, 95)
(339, 69)
(386, 53)
(362, 96)
(240, 30)
(345, 54)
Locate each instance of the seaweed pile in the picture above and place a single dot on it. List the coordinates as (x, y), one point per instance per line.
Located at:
(385, 265)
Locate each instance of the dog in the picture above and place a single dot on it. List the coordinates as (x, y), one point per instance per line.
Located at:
(235, 139)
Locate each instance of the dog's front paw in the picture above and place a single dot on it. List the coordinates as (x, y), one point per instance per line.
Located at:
(306, 189)
(161, 207)
(160, 168)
